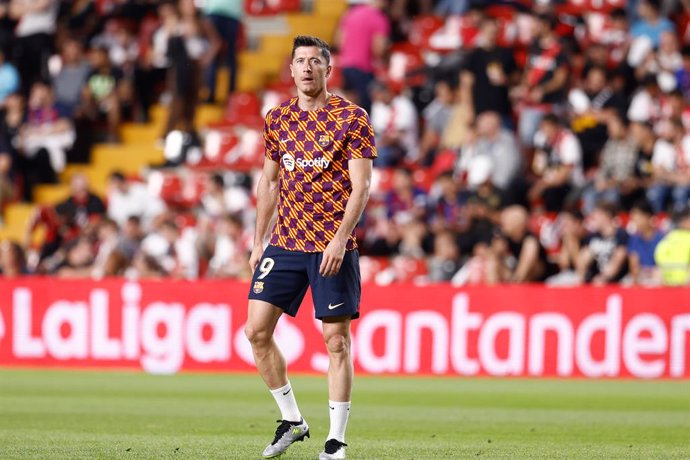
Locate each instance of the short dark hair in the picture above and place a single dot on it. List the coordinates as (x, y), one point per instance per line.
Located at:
(608, 207)
(309, 40)
(551, 118)
(643, 207)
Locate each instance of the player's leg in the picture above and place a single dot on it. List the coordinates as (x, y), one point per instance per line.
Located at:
(336, 335)
(278, 287)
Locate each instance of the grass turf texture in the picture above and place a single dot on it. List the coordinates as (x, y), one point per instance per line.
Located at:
(58, 414)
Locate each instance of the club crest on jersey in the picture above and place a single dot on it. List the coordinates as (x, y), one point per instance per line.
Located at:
(258, 287)
(289, 162)
(324, 140)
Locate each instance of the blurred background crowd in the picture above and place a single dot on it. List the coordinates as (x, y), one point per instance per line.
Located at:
(519, 141)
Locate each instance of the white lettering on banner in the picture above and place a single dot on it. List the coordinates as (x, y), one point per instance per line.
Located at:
(162, 354)
(462, 322)
(634, 344)
(514, 363)
(561, 325)
(131, 297)
(680, 326)
(71, 314)
(610, 324)
(23, 344)
(415, 323)
(102, 345)
(390, 323)
(217, 319)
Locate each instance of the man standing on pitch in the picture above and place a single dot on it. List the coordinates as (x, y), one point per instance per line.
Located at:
(319, 152)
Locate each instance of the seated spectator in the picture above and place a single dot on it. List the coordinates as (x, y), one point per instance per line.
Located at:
(11, 119)
(436, 118)
(174, 249)
(231, 249)
(557, 164)
(145, 267)
(671, 173)
(219, 200)
(572, 234)
(672, 254)
(498, 144)
(109, 259)
(445, 204)
(517, 255)
(46, 132)
(84, 207)
(645, 104)
(130, 198)
(487, 75)
(70, 80)
(7, 188)
(9, 78)
(650, 23)
(131, 236)
(405, 201)
(394, 119)
(617, 167)
(78, 259)
(668, 56)
(642, 244)
(603, 257)
(645, 139)
(104, 93)
(445, 260)
(12, 260)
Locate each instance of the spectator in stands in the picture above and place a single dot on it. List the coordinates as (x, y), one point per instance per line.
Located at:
(650, 24)
(11, 119)
(645, 104)
(642, 244)
(672, 254)
(362, 39)
(557, 165)
(445, 260)
(616, 169)
(394, 119)
(226, 18)
(12, 260)
(7, 25)
(592, 105)
(544, 82)
(446, 203)
(231, 249)
(34, 38)
(517, 255)
(131, 235)
(78, 259)
(480, 225)
(46, 133)
(671, 163)
(83, 206)
(174, 249)
(68, 84)
(603, 258)
(219, 200)
(192, 44)
(683, 74)
(145, 267)
(126, 199)
(104, 93)
(645, 139)
(405, 201)
(488, 74)
(668, 56)
(572, 235)
(9, 78)
(437, 122)
(7, 187)
(498, 144)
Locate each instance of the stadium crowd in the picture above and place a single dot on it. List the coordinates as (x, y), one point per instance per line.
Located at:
(518, 142)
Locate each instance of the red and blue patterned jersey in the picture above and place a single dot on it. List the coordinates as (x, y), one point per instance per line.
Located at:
(313, 149)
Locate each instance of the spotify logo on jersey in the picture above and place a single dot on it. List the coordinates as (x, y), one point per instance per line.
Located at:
(289, 162)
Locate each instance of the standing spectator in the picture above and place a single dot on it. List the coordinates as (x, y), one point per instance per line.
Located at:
(9, 78)
(498, 144)
(192, 44)
(642, 244)
(70, 80)
(672, 254)
(671, 162)
(650, 23)
(487, 75)
(395, 123)
(34, 43)
(603, 258)
(617, 167)
(518, 257)
(436, 120)
(362, 40)
(544, 82)
(226, 17)
(557, 164)
(104, 92)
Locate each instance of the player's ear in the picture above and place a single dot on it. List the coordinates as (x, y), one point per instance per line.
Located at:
(328, 70)
(292, 73)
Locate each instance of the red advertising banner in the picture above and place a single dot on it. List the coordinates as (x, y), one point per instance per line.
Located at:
(167, 327)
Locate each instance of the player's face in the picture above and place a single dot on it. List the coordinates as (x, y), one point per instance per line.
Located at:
(310, 70)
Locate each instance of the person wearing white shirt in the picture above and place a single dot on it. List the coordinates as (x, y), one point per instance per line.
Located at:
(671, 163)
(126, 199)
(394, 119)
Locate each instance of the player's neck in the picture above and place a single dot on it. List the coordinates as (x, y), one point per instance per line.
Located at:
(313, 102)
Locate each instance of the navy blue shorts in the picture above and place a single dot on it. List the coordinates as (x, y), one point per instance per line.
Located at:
(282, 278)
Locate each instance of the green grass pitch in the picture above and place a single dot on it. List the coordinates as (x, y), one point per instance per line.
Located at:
(59, 414)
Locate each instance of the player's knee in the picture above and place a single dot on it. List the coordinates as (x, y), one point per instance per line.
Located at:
(338, 344)
(256, 336)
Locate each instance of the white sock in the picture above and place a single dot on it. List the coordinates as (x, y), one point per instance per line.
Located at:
(285, 398)
(339, 413)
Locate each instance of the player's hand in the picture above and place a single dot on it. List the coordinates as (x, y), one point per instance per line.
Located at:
(255, 257)
(332, 258)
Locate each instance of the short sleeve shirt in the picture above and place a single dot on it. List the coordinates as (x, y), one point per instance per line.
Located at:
(313, 149)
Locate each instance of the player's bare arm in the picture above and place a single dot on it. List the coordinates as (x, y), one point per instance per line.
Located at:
(360, 176)
(267, 197)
